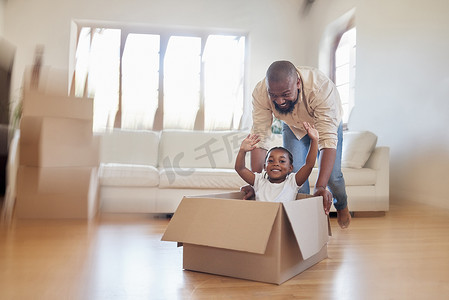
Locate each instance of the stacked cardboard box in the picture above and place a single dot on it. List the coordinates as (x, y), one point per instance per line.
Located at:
(59, 157)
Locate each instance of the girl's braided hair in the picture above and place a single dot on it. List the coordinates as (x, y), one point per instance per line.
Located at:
(290, 156)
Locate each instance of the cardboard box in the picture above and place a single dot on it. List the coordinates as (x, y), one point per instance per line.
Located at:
(58, 142)
(262, 241)
(50, 81)
(57, 192)
(39, 104)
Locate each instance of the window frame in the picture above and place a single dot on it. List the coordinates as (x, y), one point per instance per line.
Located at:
(329, 44)
(333, 74)
(165, 32)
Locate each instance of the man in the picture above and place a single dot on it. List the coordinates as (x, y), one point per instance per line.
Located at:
(295, 95)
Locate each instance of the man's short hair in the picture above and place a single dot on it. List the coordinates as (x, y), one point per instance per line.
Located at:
(281, 70)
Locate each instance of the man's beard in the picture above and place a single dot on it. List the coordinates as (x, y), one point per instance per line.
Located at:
(289, 109)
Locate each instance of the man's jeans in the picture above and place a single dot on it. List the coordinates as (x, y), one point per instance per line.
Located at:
(300, 148)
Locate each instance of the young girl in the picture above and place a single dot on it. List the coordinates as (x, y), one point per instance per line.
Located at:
(277, 183)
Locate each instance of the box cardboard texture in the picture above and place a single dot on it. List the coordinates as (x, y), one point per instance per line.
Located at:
(39, 104)
(50, 80)
(262, 241)
(57, 192)
(58, 154)
(57, 142)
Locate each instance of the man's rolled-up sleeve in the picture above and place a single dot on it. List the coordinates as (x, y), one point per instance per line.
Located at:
(262, 115)
(327, 115)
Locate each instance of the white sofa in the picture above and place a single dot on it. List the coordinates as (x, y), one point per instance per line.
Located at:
(150, 172)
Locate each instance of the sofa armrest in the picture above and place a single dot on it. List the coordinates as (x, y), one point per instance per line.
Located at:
(380, 161)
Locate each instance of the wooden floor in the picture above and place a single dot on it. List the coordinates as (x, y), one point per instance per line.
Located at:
(402, 255)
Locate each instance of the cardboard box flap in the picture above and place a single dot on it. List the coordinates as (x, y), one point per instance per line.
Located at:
(223, 223)
(229, 195)
(309, 223)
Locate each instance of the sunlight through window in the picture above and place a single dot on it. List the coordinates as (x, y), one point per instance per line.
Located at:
(82, 61)
(224, 61)
(182, 82)
(190, 81)
(140, 81)
(102, 73)
(345, 71)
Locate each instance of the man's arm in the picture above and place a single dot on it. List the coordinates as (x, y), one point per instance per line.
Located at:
(262, 115)
(262, 119)
(327, 160)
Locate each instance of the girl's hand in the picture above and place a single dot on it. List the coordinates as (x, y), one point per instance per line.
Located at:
(249, 143)
(311, 131)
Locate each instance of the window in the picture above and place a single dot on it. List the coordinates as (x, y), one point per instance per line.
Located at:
(140, 80)
(97, 72)
(223, 73)
(156, 79)
(345, 71)
(337, 58)
(182, 82)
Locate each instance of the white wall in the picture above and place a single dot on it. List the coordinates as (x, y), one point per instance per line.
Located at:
(403, 92)
(321, 14)
(2, 5)
(47, 22)
(402, 88)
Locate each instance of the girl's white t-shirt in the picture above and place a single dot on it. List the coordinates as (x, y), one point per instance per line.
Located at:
(275, 192)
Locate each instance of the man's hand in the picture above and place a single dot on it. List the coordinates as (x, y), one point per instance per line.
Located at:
(327, 198)
(327, 160)
(249, 192)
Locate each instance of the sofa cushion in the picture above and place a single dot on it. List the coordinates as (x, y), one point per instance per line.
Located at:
(112, 174)
(200, 178)
(199, 149)
(361, 177)
(357, 148)
(130, 147)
